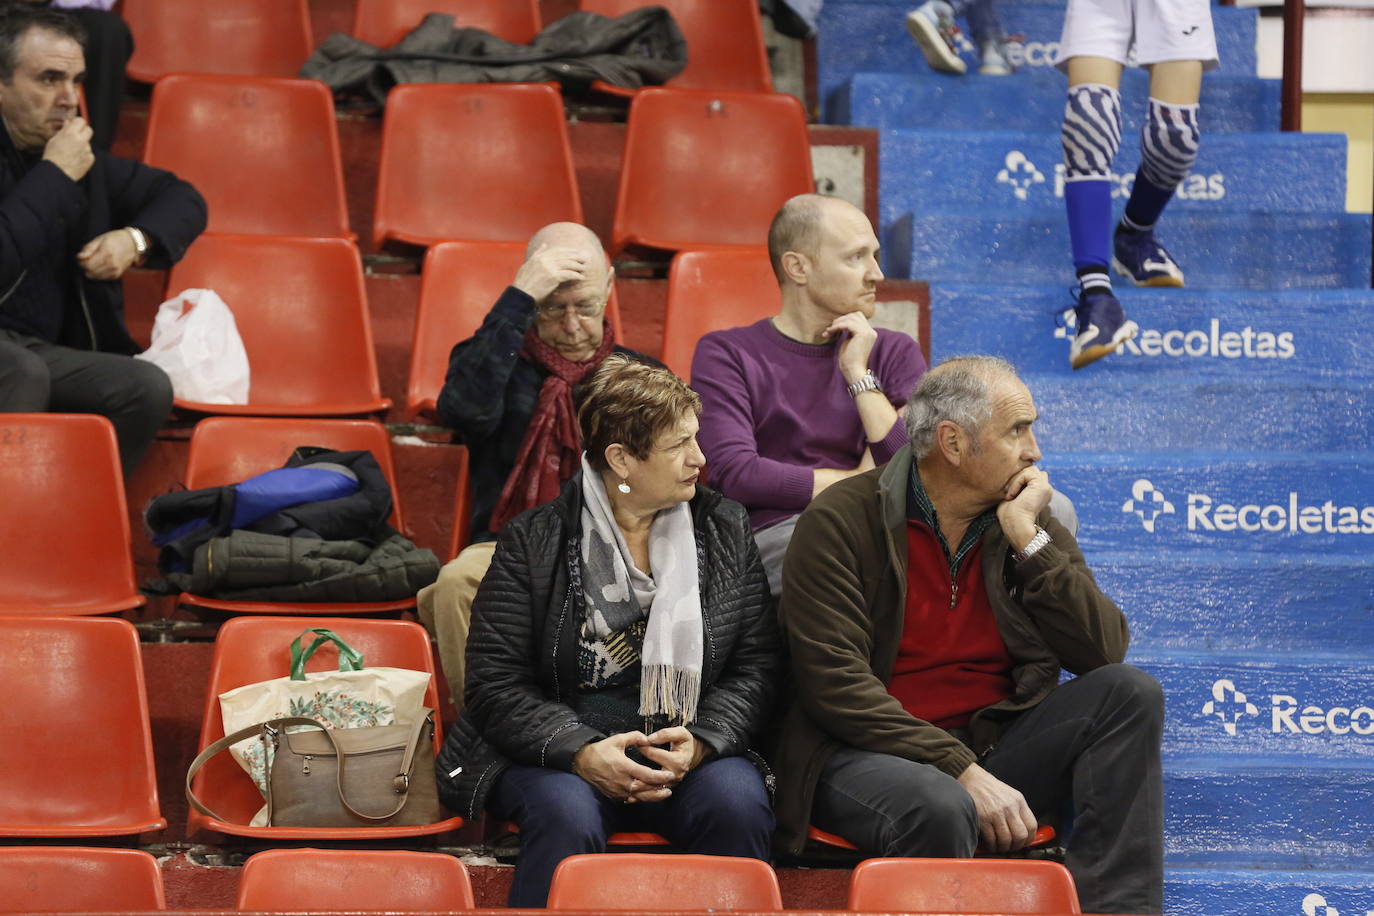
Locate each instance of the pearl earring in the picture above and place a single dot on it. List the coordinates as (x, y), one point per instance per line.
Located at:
(623, 487)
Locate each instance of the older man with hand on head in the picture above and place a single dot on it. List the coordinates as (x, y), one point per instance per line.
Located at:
(929, 606)
(72, 221)
(510, 397)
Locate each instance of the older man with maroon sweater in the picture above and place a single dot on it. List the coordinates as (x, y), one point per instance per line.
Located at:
(929, 606)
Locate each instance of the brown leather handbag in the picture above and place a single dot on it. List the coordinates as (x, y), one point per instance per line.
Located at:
(378, 776)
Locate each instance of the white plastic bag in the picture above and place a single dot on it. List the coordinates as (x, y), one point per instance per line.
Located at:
(196, 342)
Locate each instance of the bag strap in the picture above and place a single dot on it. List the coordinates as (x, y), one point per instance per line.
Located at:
(401, 782)
(350, 659)
(247, 732)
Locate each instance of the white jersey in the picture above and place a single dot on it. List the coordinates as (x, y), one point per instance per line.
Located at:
(1138, 32)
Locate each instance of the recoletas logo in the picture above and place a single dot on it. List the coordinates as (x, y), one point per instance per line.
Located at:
(1286, 715)
(1206, 512)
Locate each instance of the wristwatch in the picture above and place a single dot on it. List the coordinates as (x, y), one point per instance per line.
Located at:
(1042, 537)
(867, 382)
(140, 243)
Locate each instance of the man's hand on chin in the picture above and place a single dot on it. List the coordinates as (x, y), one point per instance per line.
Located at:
(1025, 495)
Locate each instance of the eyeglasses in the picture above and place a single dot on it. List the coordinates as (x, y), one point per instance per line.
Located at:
(552, 313)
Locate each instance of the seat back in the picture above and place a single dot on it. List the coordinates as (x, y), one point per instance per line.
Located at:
(226, 450)
(385, 22)
(77, 755)
(252, 649)
(64, 511)
(712, 290)
(301, 309)
(643, 881)
(305, 880)
(724, 42)
(263, 151)
(473, 161)
(57, 879)
(704, 169)
(245, 37)
(1012, 886)
(459, 284)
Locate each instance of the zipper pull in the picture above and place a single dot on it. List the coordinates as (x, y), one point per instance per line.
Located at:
(953, 593)
(305, 767)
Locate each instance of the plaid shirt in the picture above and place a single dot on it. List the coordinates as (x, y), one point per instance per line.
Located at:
(919, 508)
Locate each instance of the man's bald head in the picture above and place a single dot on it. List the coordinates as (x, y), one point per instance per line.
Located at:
(574, 236)
(797, 226)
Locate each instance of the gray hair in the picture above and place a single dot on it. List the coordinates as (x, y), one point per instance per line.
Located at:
(957, 390)
(17, 19)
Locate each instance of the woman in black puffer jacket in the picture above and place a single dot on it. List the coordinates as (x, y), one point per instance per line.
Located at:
(623, 653)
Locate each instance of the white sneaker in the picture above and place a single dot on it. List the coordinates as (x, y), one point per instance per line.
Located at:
(994, 63)
(933, 28)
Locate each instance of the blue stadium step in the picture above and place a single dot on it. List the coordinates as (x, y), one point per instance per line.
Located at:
(870, 36)
(1230, 104)
(1297, 335)
(1252, 892)
(1147, 416)
(1254, 813)
(1226, 601)
(1241, 250)
(1171, 505)
(1023, 171)
(1295, 708)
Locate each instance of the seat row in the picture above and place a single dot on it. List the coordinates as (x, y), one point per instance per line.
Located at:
(273, 37)
(52, 878)
(479, 161)
(300, 306)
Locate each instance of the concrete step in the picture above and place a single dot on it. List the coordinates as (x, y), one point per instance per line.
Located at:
(1224, 601)
(1242, 335)
(1035, 101)
(1253, 813)
(1237, 250)
(1170, 505)
(870, 36)
(1247, 892)
(1292, 707)
(1019, 172)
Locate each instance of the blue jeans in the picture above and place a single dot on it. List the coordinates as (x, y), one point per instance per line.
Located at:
(721, 808)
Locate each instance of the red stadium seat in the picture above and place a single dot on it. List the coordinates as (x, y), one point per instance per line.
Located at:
(704, 169)
(644, 881)
(77, 756)
(725, 48)
(244, 37)
(226, 450)
(306, 880)
(301, 310)
(459, 284)
(712, 290)
(1010, 886)
(58, 879)
(475, 162)
(252, 649)
(385, 22)
(461, 529)
(65, 541)
(264, 152)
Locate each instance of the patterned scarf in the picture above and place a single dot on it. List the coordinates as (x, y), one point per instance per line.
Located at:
(548, 453)
(617, 593)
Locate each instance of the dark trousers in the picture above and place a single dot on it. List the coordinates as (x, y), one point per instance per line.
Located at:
(37, 376)
(1093, 742)
(721, 808)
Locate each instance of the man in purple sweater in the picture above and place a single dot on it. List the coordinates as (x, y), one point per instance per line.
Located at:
(799, 401)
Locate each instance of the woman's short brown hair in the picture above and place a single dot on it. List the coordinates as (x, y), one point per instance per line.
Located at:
(632, 403)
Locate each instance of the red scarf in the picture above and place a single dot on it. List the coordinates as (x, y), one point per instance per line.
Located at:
(551, 451)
